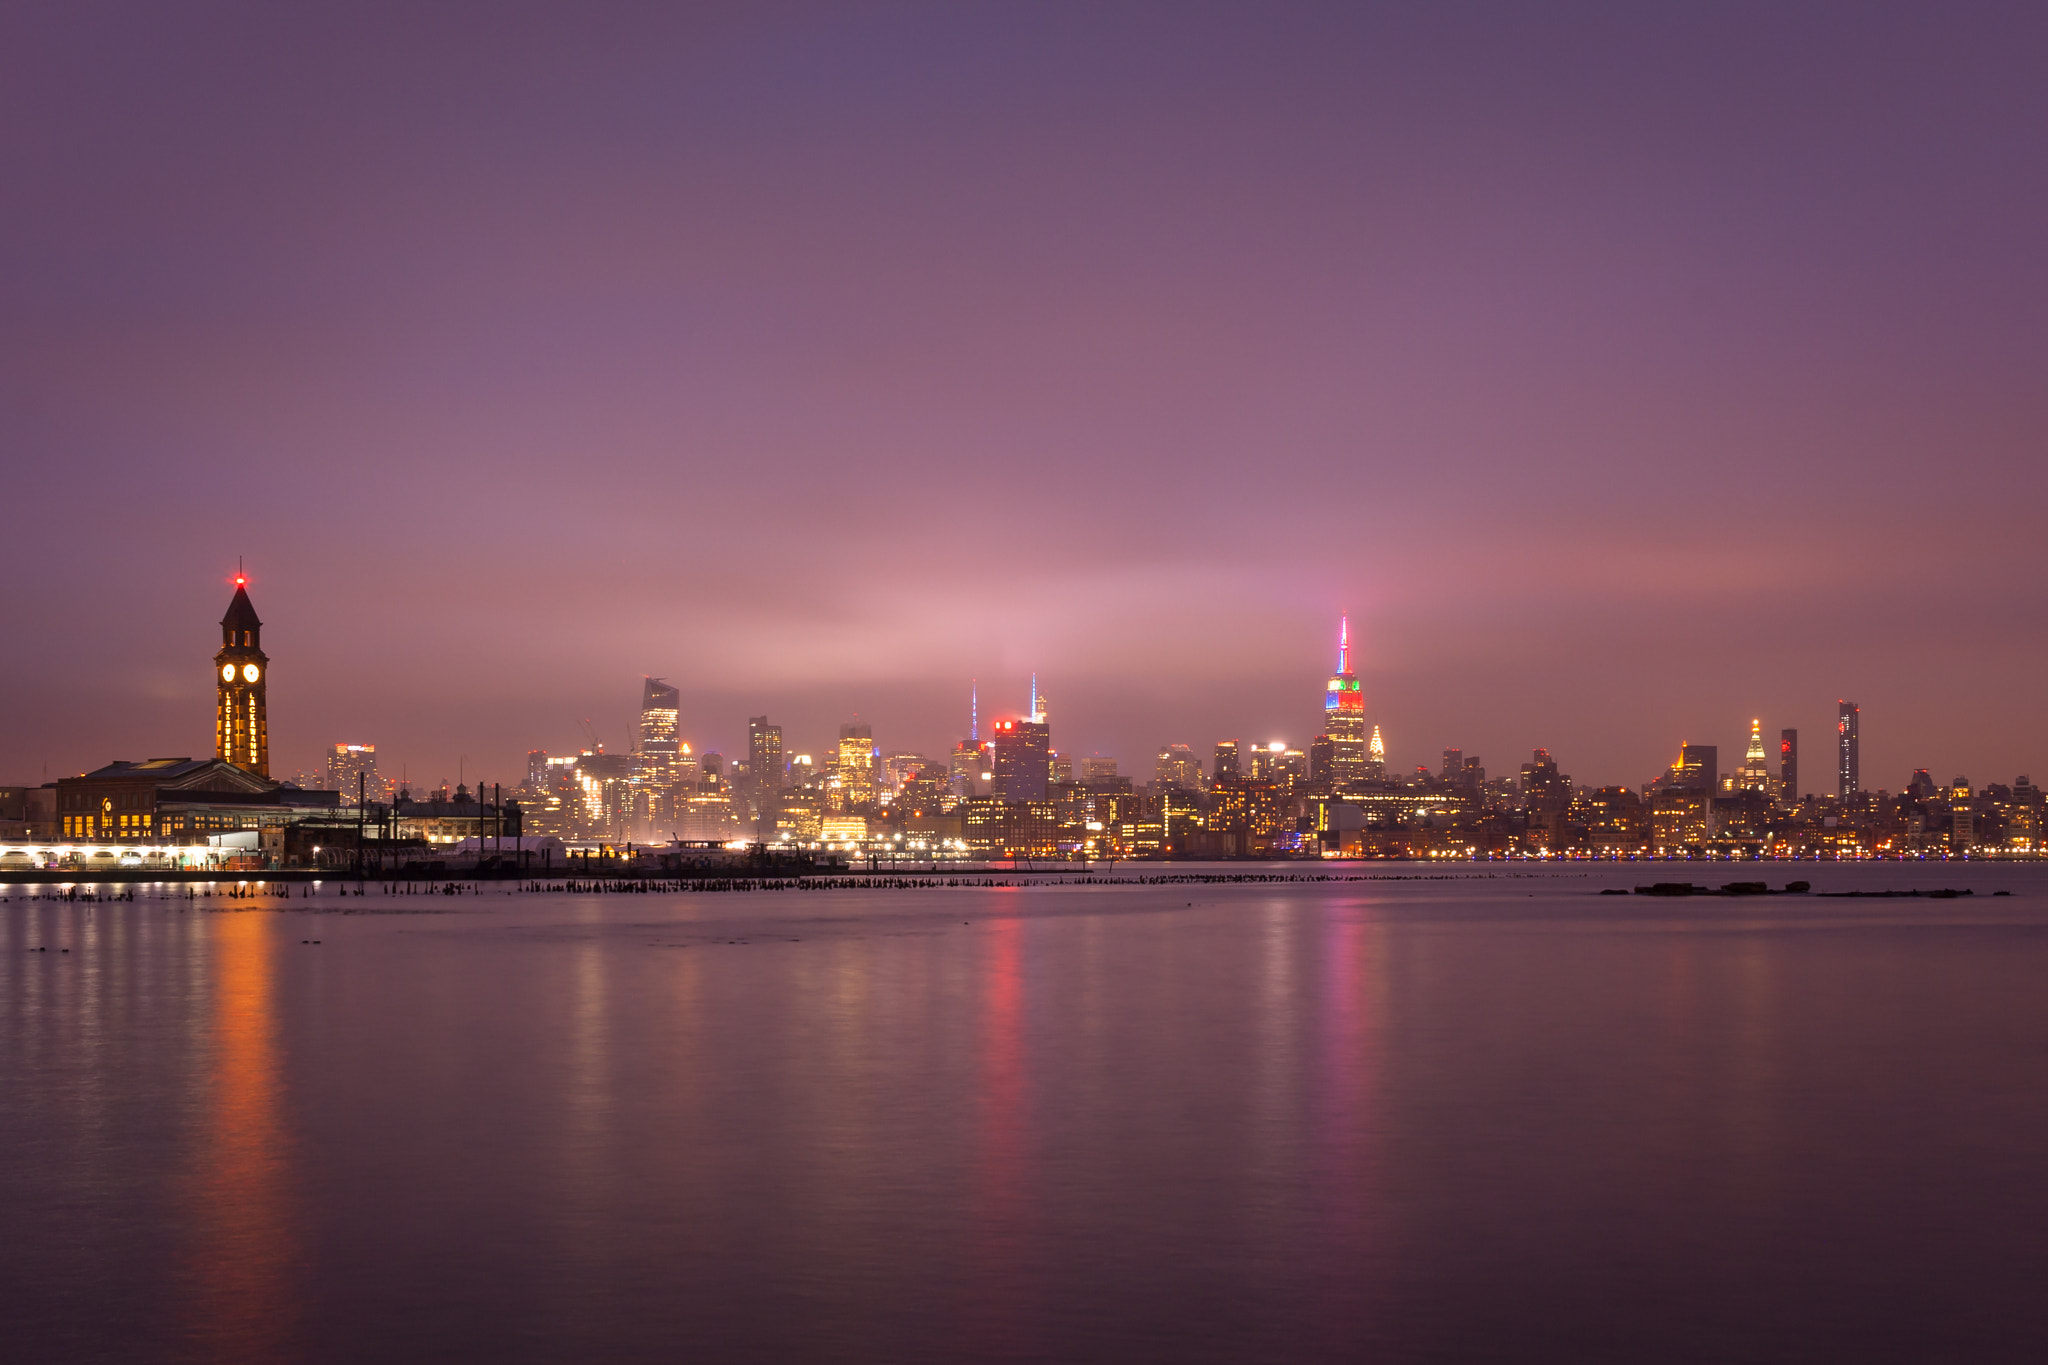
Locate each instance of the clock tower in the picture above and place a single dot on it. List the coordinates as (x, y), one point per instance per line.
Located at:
(241, 672)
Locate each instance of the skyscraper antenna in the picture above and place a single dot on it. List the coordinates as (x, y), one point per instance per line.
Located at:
(974, 710)
(1344, 643)
(1034, 696)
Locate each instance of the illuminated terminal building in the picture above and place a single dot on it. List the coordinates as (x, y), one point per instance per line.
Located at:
(175, 802)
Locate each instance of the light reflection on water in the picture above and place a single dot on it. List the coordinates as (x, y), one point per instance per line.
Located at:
(1460, 1119)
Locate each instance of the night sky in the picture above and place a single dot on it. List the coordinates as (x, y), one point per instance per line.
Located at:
(1626, 372)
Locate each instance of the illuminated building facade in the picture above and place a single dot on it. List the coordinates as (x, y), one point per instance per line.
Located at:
(352, 768)
(1177, 769)
(1546, 797)
(1344, 715)
(1376, 757)
(1848, 761)
(177, 801)
(1698, 767)
(1614, 819)
(1224, 763)
(1096, 768)
(1755, 773)
(964, 767)
(765, 771)
(854, 771)
(241, 725)
(660, 749)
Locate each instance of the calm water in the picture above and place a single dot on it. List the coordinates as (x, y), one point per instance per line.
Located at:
(1459, 1119)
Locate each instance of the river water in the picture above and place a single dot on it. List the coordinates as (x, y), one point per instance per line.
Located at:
(1463, 1115)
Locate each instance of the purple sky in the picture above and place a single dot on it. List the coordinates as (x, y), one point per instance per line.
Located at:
(1625, 374)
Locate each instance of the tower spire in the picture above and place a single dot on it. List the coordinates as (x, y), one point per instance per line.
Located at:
(1344, 643)
(974, 710)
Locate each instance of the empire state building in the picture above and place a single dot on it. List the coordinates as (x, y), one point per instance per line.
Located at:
(1344, 715)
(241, 670)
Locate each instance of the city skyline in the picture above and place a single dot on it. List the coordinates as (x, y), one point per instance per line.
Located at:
(850, 356)
(1345, 711)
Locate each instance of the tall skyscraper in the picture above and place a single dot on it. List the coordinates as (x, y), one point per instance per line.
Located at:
(1788, 766)
(1344, 714)
(964, 767)
(1848, 762)
(352, 768)
(1699, 767)
(659, 748)
(241, 724)
(856, 763)
(1375, 756)
(1454, 765)
(1225, 763)
(1022, 760)
(1177, 769)
(1755, 773)
(1546, 796)
(764, 758)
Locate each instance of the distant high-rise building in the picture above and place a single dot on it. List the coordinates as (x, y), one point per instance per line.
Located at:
(353, 767)
(764, 758)
(1454, 764)
(1022, 768)
(1848, 761)
(1755, 773)
(1344, 714)
(659, 747)
(1225, 762)
(1700, 764)
(856, 763)
(536, 769)
(1546, 796)
(1322, 762)
(1266, 760)
(1698, 768)
(1177, 769)
(1096, 768)
(1376, 756)
(1788, 766)
(964, 767)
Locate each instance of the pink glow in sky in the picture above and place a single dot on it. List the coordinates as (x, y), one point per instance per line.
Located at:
(1625, 374)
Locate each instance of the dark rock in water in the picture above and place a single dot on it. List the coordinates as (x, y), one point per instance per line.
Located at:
(1669, 889)
(1798, 888)
(1620, 891)
(1745, 889)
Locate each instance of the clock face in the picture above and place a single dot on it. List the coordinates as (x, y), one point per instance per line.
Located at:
(227, 672)
(251, 673)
